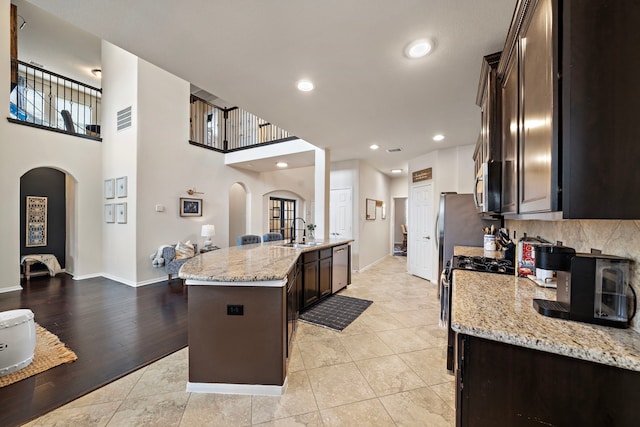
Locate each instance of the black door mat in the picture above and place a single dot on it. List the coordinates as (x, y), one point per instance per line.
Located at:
(336, 312)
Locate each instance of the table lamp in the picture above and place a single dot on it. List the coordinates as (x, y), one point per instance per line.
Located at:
(208, 230)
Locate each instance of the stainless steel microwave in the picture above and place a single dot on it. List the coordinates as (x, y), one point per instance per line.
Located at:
(488, 188)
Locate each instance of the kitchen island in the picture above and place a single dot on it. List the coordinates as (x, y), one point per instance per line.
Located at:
(517, 367)
(239, 300)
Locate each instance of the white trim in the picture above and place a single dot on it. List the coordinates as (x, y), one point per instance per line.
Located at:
(152, 281)
(378, 261)
(121, 280)
(261, 283)
(14, 288)
(88, 276)
(253, 389)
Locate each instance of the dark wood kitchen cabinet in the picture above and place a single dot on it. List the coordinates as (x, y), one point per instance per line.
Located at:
(325, 267)
(294, 282)
(488, 99)
(310, 279)
(538, 182)
(509, 96)
(316, 276)
(499, 384)
(576, 64)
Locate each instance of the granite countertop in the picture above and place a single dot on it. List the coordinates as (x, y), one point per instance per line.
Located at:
(267, 261)
(477, 251)
(499, 307)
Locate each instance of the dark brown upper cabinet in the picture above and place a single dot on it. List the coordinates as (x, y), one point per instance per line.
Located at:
(569, 94)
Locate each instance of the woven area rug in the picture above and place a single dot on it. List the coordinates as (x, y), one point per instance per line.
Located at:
(49, 352)
(336, 312)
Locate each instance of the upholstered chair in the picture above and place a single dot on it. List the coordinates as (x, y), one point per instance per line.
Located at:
(248, 239)
(271, 237)
(172, 265)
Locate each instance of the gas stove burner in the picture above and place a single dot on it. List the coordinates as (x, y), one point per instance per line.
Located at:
(479, 263)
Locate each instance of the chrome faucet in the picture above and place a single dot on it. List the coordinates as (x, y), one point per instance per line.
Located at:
(293, 229)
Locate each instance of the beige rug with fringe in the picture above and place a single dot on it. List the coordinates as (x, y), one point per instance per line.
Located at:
(49, 352)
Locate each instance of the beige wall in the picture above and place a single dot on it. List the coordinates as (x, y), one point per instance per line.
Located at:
(613, 237)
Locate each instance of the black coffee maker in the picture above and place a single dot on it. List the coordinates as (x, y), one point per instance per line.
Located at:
(592, 288)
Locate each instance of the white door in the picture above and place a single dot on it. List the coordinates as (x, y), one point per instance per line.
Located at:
(341, 213)
(420, 233)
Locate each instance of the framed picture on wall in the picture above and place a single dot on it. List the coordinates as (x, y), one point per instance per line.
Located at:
(36, 221)
(109, 213)
(121, 213)
(190, 207)
(109, 188)
(371, 209)
(121, 186)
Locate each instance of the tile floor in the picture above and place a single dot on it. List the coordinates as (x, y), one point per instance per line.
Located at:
(386, 368)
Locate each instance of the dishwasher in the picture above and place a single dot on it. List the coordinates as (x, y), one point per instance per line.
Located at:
(340, 274)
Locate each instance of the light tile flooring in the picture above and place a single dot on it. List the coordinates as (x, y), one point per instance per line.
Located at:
(386, 369)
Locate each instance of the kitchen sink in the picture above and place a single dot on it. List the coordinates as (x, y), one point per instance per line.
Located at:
(298, 245)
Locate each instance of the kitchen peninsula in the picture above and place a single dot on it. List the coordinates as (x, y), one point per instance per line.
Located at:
(517, 367)
(243, 303)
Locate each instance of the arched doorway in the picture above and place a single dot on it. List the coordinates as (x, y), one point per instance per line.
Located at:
(44, 214)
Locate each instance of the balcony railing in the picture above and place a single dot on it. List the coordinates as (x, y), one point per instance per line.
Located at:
(230, 129)
(44, 99)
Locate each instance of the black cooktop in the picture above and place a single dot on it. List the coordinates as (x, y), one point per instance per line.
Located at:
(486, 264)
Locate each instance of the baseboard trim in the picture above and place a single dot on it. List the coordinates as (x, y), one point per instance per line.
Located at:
(257, 389)
(86, 276)
(11, 289)
(378, 261)
(132, 283)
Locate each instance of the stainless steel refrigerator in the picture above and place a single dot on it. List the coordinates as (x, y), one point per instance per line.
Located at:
(458, 224)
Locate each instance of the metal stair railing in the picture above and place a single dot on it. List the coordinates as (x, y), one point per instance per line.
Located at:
(230, 129)
(41, 98)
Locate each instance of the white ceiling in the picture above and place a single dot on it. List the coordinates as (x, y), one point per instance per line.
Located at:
(252, 52)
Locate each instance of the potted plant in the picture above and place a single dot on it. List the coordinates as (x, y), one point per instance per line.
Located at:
(311, 228)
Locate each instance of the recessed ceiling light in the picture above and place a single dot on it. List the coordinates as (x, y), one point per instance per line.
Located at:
(396, 170)
(305, 85)
(282, 164)
(418, 48)
(438, 137)
(374, 146)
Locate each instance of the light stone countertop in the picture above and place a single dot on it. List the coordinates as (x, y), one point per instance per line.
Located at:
(499, 307)
(249, 263)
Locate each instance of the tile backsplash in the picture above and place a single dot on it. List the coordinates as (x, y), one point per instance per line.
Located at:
(612, 237)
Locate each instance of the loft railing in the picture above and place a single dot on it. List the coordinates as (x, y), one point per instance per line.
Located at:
(47, 100)
(230, 129)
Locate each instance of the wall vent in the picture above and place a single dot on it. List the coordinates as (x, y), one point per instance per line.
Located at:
(124, 119)
(394, 150)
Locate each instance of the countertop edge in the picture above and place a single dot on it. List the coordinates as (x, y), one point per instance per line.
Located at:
(199, 268)
(499, 308)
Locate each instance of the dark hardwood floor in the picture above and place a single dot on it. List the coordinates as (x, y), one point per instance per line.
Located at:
(114, 329)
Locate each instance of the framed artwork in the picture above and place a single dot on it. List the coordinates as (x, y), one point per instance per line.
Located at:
(371, 209)
(190, 207)
(109, 188)
(121, 186)
(121, 213)
(36, 221)
(109, 213)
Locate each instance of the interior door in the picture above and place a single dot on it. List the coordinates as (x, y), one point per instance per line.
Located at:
(420, 233)
(341, 213)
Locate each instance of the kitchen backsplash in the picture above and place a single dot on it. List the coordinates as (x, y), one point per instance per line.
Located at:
(612, 237)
